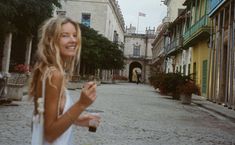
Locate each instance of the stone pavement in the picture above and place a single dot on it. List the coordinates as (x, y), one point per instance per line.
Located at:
(132, 115)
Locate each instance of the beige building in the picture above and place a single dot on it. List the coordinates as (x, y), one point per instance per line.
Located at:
(174, 62)
(158, 49)
(138, 53)
(174, 8)
(104, 16)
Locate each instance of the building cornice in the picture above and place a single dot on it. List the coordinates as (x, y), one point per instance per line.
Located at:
(134, 35)
(118, 13)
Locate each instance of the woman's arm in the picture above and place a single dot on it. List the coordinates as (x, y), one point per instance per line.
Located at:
(54, 126)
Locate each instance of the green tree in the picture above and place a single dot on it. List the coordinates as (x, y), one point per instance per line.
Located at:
(98, 52)
(21, 19)
(25, 15)
(31, 13)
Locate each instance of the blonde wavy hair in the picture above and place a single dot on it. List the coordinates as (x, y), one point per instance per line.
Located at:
(48, 53)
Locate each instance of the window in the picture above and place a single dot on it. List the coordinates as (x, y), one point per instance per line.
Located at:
(86, 19)
(180, 11)
(115, 37)
(61, 13)
(184, 69)
(136, 50)
(189, 69)
(204, 76)
(194, 71)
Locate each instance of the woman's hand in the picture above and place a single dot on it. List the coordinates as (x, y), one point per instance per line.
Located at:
(83, 120)
(88, 94)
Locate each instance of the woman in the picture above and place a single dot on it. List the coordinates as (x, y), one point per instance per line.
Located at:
(59, 48)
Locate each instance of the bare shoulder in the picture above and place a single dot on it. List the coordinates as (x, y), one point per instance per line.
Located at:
(56, 74)
(55, 77)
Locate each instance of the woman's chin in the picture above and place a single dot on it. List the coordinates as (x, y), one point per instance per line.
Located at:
(68, 56)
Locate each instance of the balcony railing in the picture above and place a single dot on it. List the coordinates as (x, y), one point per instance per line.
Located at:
(138, 57)
(135, 56)
(174, 45)
(199, 24)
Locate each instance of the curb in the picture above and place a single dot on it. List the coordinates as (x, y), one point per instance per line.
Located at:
(215, 108)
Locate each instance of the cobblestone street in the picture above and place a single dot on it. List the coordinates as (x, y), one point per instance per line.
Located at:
(131, 115)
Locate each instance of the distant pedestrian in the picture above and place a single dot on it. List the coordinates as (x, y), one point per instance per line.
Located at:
(58, 51)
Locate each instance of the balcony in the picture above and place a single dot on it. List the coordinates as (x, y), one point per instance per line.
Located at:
(140, 57)
(174, 46)
(200, 30)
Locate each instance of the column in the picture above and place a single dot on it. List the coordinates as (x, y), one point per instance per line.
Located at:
(6, 53)
(28, 50)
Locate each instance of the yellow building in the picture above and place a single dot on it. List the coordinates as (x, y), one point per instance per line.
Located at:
(197, 37)
(200, 61)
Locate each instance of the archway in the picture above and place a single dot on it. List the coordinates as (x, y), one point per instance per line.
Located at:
(134, 65)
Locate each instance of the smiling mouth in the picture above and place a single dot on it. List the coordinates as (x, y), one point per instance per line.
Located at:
(71, 47)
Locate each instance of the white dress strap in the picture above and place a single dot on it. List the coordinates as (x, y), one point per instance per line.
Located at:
(43, 89)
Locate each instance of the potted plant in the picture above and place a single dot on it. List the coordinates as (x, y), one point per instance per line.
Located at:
(186, 90)
(16, 81)
(167, 83)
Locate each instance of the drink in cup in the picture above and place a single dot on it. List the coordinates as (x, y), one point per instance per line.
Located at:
(93, 124)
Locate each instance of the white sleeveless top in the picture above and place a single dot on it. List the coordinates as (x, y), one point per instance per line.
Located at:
(66, 137)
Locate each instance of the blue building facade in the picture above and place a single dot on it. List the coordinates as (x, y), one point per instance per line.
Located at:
(215, 5)
(222, 57)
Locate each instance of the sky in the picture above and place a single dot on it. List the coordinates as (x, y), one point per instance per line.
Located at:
(155, 11)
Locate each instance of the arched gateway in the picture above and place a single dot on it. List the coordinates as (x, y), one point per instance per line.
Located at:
(134, 66)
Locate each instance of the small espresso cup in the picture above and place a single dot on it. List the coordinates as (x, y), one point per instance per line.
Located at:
(93, 124)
